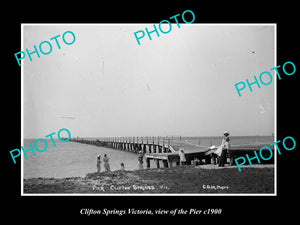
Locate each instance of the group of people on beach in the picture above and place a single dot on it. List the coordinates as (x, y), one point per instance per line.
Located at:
(106, 163)
(122, 165)
(219, 153)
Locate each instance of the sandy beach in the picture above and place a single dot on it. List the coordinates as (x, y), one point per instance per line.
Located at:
(182, 180)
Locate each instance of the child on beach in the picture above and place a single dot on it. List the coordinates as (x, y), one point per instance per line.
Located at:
(98, 164)
(106, 163)
(122, 166)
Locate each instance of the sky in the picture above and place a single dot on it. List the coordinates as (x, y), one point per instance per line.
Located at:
(180, 83)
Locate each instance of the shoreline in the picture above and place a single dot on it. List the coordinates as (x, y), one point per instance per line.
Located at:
(177, 180)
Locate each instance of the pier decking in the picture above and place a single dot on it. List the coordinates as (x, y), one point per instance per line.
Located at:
(165, 149)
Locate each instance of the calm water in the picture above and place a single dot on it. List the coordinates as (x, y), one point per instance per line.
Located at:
(73, 159)
(235, 140)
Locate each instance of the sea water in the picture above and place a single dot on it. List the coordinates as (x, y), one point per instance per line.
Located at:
(73, 159)
(235, 140)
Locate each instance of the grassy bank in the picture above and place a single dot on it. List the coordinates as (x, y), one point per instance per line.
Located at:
(183, 179)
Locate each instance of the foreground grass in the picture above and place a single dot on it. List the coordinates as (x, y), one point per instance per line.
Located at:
(183, 179)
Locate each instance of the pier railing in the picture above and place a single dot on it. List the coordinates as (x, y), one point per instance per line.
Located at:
(146, 145)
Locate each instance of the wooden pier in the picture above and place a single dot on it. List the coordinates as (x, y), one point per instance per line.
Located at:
(164, 150)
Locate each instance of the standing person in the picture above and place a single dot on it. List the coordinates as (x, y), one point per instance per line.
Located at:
(140, 160)
(122, 166)
(182, 157)
(106, 163)
(98, 164)
(225, 147)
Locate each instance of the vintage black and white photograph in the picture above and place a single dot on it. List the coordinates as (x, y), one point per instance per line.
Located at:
(130, 109)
